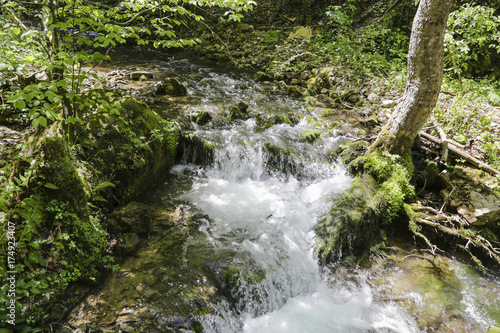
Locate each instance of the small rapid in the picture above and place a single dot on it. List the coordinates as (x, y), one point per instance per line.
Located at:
(268, 218)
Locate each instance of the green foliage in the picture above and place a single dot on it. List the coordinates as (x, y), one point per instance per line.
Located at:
(473, 35)
(271, 37)
(470, 115)
(53, 246)
(393, 174)
(48, 61)
(342, 17)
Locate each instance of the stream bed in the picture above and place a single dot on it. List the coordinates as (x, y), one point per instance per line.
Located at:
(231, 242)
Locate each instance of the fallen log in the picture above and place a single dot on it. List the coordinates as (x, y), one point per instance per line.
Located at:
(461, 153)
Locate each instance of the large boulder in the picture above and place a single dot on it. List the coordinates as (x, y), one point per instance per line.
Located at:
(125, 143)
(466, 191)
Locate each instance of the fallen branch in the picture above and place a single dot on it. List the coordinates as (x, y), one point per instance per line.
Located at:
(460, 153)
(444, 140)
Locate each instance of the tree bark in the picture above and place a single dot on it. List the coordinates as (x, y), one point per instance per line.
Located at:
(425, 75)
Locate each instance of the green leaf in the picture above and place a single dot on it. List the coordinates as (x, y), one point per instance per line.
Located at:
(34, 123)
(460, 138)
(33, 256)
(494, 98)
(51, 186)
(20, 104)
(16, 31)
(42, 121)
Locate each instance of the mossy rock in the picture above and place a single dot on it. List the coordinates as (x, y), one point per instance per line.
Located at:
(466, 191)
(311, 134)
(63, 181)
(431, 173)
(319, 81)
(172, 87)
(349, 151)
(196, 150)
(264, 123)
(261, 76)
(125, 143)
(353, 227)
(294, 91)
(200, 117)
(133, 217)
(370, 121)
(238, 111)
(282, 161)
(128, 243)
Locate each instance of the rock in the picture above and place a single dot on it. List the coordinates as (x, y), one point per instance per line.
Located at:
(128, 243)
(59, 169)
(319, 81)
(172, 87)
(129, 145)
(388, 104)
(193, 149)
(431, 173)
(382, 117)
(137, 75)
(465, 191)
(311, 134)
(134, 217)
(238, 111)
(261, 76)
(293, 91)
(370, 121)
(348, 151)
(200, 117)
(301, 32)
(373, 97)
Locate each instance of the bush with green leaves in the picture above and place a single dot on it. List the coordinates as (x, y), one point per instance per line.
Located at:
(472, 39)
(63, 36)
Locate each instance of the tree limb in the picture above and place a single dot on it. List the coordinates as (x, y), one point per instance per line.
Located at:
(463, 154)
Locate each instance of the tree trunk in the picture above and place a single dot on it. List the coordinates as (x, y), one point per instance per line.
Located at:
(425, 75)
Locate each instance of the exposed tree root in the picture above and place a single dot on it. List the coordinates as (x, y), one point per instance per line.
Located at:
(450, 226)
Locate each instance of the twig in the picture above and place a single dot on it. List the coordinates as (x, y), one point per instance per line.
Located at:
(447, 93)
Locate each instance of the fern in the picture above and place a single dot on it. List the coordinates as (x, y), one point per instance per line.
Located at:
(103, 185)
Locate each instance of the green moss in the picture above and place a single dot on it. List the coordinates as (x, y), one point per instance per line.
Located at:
(124, 142)
(311, 134)
(194, 149)
(354, 225)
(200, 117)
(348, 151)
(58, 168)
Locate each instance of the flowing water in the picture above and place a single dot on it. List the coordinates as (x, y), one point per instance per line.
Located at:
(262, 209)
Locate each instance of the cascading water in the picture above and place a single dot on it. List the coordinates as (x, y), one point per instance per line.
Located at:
(268, 217)
(254, 209)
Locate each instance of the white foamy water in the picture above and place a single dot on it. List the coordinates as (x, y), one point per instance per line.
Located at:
(269, 218)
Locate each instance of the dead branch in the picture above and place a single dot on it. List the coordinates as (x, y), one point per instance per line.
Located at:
(462, 154)
(444, 140)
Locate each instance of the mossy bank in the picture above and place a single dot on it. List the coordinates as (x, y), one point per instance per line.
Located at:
(64, 186)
